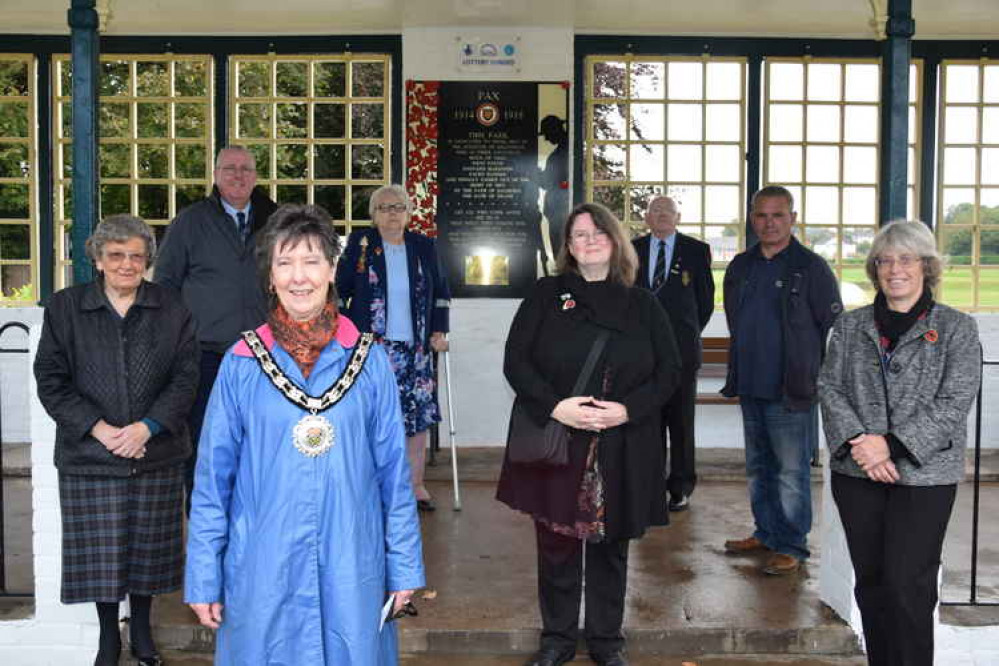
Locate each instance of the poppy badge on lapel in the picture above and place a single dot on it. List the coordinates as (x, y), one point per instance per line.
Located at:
(931, 335)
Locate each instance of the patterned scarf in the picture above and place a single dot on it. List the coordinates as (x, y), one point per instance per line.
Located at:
(304, 340)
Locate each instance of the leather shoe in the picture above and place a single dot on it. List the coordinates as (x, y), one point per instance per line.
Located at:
(426, 505)
(550, 657)
(616, 658)
(747, 545)
(153, 659)
(679, 503)
(781, 564)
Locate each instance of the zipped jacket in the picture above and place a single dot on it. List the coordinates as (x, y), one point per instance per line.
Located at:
(810, 302)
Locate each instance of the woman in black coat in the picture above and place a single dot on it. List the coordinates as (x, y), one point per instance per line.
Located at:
(613, 487)
(117, 369)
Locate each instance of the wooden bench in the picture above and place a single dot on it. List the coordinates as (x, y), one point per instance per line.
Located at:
(714, 362)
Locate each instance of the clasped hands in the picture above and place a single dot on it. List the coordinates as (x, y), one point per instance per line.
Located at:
(127, 442)
(588, 413)
(871, 452)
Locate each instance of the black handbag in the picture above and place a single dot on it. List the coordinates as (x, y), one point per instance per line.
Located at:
(547, 444)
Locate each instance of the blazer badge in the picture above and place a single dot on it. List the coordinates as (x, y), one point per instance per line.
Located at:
(685, 278)
(363, 257)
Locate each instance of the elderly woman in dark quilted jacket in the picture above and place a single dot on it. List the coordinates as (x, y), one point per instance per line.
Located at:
(896, 387)
(117, 369)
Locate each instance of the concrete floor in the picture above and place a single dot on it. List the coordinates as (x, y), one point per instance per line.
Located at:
(686, 596)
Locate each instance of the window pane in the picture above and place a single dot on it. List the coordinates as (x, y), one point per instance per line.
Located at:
(14, 161)
(686, 80)
(330, 162)
(724, 122)
(254, 121)
(367, 121)
(115, 160)
(863, 83)
(786, 80)
(958, 205)
(333, 199)
(647, 162)
(722, 204)
(154, 161)
(609, 79)
(786, 122)
(723, 164)
(784, 164)
(368, 162)
(961, 83)
(823, 123)
(612, 197)
(15, 242)
(113, 79)
(292, 79)
(821, 205)
(292, 121)
(990, 166)
(822, 164)
(990, 124)
(688, 198)
(861, 124)
(608, 162)
(191, 120)
(330, 121)
(191, 78)
(684, 163)
(609, 121)
(331, 79)
(153, 202)
(152, 79)
(292, 162)
(724, 80)
(685, 122)
(152, 120)
(991, 91)
(959, 166)
(13, 201)
(254, 79)
(368, 79)
(647, 122)
(859, 205)
(860, 165)
(824, 82)
(13, 78)
(960, 124)
(648, 80)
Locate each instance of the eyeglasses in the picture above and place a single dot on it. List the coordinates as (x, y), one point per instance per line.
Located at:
(408, 609)
(116, 258)
(905, 261)
(597, 236)
(232, 170)
(392, 208)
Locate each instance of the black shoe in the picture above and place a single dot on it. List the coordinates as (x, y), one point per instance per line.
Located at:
(426, 505)
(550, 657)
(153, 659)
(679, 503)
(616, 658)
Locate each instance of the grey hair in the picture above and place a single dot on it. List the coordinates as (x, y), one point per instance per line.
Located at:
(234, 149)
(912, 236)
(774, 192)
(396, 190)
(120, 228)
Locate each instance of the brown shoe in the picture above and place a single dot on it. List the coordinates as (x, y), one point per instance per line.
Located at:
(781, 564)
(747, 545)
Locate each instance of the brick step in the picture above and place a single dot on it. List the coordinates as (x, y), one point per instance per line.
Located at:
(179, 658)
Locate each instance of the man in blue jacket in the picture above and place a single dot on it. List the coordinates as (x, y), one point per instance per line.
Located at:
(780, 302)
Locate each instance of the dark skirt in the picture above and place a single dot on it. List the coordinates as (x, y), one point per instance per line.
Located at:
(121, 535)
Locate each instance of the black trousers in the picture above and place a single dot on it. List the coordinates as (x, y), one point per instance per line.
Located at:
(210, 362)
(560, 587)
(895, 535)
(678, 436)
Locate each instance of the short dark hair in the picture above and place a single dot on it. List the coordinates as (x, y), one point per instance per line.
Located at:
(288, 226)
(623, 261)
(774, 192)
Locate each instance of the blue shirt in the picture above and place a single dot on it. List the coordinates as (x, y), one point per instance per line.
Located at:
(654, 252)
(759, 335)
(399, 314)
(232, 210)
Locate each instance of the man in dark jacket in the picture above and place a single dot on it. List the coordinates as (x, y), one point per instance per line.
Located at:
(780, 302)
(208, 257)
(677, 268)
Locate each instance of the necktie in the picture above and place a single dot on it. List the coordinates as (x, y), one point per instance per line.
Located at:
(659, 274)
(241, 226)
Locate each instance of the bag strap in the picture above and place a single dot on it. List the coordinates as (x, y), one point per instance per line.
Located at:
(591, 362)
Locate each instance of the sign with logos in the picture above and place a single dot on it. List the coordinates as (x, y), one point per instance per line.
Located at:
(483, 54)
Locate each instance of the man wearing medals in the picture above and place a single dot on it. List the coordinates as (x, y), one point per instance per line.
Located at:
(303, 520)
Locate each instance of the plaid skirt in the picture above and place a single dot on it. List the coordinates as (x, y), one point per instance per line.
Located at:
(121, 535)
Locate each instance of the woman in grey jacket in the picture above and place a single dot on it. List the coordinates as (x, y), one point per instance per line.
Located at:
(897, 383)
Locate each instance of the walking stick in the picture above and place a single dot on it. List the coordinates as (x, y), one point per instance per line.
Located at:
(451, 431)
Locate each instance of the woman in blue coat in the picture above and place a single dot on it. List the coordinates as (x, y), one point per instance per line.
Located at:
(303, 520)
(391, 283)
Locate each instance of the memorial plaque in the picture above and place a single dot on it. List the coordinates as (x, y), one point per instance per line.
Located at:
(489, 203)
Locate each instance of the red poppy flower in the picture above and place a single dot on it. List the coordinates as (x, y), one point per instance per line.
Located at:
(931, 335)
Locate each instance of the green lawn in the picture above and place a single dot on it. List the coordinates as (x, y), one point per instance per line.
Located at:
(956, 287)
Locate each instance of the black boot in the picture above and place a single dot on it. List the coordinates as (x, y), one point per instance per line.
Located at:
(140, 631)
(109, 647)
